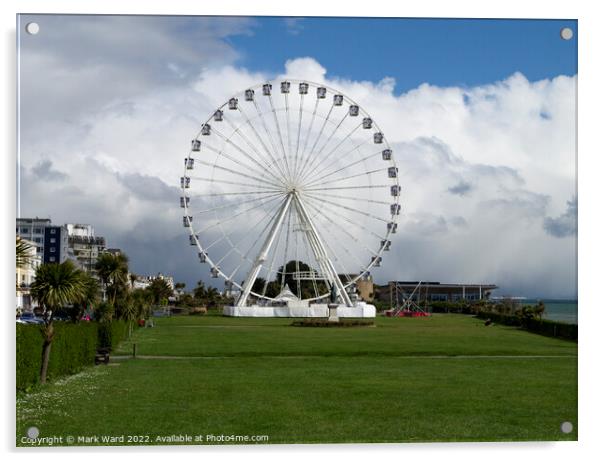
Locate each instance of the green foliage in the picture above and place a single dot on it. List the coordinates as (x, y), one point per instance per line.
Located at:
(112, 270)
(57, 285)
(23, 257)
(159, 290)
(29, 355)
(111, 333)
(527, 320)
(73, 347)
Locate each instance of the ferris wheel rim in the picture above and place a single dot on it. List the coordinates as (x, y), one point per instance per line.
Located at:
(214, 264)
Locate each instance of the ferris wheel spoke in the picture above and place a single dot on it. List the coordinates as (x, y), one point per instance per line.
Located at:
(346, 232)
(284, 153)
(230, 218)
(332, 181)
(260, 140)
(349, 165)
(308, 132)
(223, 194)
(248, 252)
(296, 163)
(336, 128)
(270, 138)
(264, 165)
(355, 199)
(239, 163)
(229, 205)
(319, 203)
(315, 169)
(348, 208)
(225, 236)
(223, 181)
(371, 186)
(238, 173)
(313, 147)
(331, 251)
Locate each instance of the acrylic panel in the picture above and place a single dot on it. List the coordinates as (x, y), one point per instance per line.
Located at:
(267, 230)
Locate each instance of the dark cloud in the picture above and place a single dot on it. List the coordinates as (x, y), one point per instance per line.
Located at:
(461, 189)
(149, 187)
(564, 225)
(43, 170)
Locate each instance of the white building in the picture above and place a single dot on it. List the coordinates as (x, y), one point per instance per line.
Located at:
(25, 276)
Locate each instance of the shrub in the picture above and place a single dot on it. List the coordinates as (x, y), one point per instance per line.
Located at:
(543, 327)
(74, 347)
(111, 333)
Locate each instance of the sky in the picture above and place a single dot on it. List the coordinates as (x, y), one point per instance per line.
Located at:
(480, 113)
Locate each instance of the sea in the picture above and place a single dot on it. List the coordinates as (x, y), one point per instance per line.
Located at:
(560, 310)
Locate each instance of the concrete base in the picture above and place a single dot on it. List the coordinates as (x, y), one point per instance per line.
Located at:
(362, 310)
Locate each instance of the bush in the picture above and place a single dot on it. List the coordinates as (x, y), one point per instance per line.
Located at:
(29, 355)
(543, 327)
(111, 333)
(74, 347)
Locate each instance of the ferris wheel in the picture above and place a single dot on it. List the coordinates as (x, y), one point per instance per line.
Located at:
(290, 186)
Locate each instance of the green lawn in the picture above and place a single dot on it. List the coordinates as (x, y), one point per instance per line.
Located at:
(445, 378)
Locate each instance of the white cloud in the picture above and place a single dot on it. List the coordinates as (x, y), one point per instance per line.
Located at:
(486, 171)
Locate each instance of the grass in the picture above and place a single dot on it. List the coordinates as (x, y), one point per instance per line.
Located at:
(444, 378)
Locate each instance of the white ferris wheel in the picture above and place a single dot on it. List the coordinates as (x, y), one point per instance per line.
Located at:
(290, 186)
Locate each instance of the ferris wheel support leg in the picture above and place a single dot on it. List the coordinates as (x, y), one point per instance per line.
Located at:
(321, 252)
(248, 285)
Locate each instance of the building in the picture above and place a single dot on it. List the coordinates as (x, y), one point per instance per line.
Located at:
(143, 281)
(51, 242)
(25, 276)
(86, 247)
(396, 291)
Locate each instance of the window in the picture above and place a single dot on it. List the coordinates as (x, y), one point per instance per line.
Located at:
(53, 231)
(52, 240)
(37, 230)
(439, 297)
(24, 230)
(52, 259)
(38, 250)
(52, 249)
(37, 240)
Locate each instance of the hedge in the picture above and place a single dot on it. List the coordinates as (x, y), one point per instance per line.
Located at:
(543, 327)
(74, 347)
(111, 333)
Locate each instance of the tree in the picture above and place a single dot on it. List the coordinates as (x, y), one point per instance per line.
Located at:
(23, 253)
(90, 295)
(180, 286)
(112, 270)
(199, 291)
(160, 290)
(55, 286)
(133, 278)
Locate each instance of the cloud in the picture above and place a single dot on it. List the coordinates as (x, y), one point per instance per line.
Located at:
(294, 26)
(564, 225)
(461, 189)
(43, 170)
(120, 149)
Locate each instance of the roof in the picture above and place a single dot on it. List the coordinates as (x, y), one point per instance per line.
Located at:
(490, 286)
(286, 295)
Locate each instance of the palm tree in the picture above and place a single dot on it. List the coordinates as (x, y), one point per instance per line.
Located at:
(55, 286)
(112, 270)
(89, 296)
(160, 290)
(23, 254)
(133, 278)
